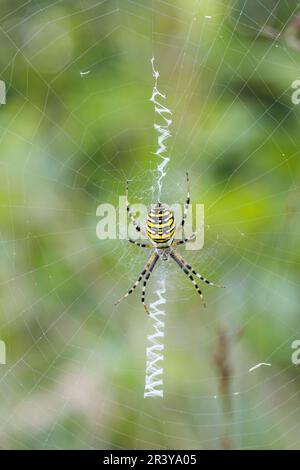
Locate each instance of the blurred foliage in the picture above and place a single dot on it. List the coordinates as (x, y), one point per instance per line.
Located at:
(77, 123)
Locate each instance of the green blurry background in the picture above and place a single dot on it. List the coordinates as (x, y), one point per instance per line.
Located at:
(74, 376)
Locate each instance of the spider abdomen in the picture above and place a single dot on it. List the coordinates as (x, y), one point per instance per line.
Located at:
(160, 224)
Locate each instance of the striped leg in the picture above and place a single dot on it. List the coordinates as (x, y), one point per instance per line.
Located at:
(147, 266)
(180, 242)
(190, 268)
(151, 267)
(187, 203)
(135, 223)
(177, 259)
(186, 206)
(142, 245)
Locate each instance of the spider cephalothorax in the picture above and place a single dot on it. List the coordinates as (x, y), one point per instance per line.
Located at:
(161, 231)
(164, 253)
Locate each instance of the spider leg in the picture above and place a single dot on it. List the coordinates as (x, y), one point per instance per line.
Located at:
(187, 204)
(142, 245)
(190, 268)
(186, 271)
(143, 272)
(135, 223)
(180, 242)
(150, 269)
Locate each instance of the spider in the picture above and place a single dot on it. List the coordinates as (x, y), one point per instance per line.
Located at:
(160, 231)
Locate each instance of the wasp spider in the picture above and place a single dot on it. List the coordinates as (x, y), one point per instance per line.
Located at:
(160, 231)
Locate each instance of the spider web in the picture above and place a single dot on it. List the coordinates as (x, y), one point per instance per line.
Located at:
(77, 122)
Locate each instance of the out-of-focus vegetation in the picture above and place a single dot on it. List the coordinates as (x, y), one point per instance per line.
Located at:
(75, 364)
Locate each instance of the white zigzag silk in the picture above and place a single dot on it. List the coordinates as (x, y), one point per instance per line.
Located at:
(155, 356)
(155, 352)
(162, 130)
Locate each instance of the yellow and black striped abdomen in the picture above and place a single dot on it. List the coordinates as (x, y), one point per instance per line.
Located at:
(160, 224)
